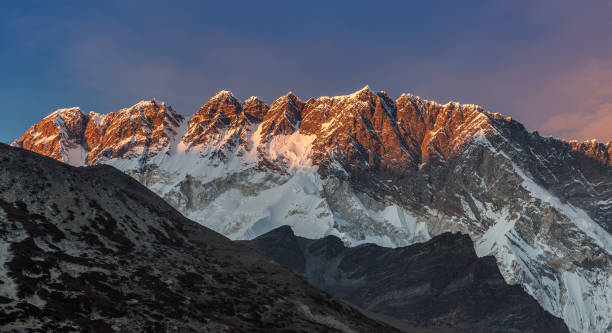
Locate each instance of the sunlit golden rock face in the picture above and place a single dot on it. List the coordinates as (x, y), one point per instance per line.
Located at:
(358, 127)
(94, 132)
(253, 110)
(441, 130)
(208, 125)
(223, 122)
(596, 150)
(283, 117)
(365, 129)
(253, 113)
(147, 127)
(70, 136)
(390, 134)
(56, 134)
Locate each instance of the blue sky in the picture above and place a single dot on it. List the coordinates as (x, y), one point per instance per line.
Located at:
(548, 64)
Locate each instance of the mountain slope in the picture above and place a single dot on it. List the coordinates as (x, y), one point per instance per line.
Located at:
(90, 249)
(440, 283)
(367, 168)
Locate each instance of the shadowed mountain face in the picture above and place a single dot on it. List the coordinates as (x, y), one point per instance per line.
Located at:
(91, 249)
(440, 283)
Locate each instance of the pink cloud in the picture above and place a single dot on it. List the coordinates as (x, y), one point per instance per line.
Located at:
(585, 96)
(583, 125)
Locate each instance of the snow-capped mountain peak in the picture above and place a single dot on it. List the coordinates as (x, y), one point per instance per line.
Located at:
(58, 135)
(367, 168)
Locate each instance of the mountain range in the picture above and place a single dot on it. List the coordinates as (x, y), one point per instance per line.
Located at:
(369, 169)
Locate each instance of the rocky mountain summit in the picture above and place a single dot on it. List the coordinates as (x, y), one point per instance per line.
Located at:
(370, 169)
(436, 284)
(70, 136)
(92, 250)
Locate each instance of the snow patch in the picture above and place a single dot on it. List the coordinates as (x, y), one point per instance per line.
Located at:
(293, 150)
(297, 203)
(75, 156)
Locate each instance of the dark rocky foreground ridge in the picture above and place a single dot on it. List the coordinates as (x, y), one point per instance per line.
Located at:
(440, 283)
(92, 250)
